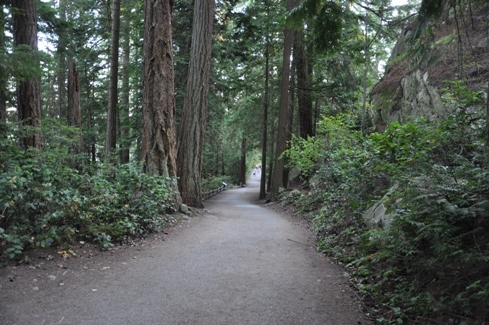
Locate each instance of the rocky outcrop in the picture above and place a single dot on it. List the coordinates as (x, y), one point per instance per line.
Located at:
(414, 98)
(412, 88)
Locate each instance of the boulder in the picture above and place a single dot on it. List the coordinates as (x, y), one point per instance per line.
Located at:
(380, 214)
(185, 209)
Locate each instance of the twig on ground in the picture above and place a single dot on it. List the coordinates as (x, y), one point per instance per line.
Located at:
(298, 242)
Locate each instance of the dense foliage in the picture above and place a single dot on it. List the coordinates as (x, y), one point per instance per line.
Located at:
(426, 260)
(46, 200)
(430, 260)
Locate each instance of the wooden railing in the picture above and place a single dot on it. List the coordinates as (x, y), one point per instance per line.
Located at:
(211, 193)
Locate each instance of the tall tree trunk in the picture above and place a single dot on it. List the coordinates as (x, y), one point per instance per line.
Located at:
(124, 110)
(62, 65)
(111, 138)
(3, 74)
(270, 172)
(242, 169)
(91, 147)
(28, 89)
(303, 86)
(365, 73)
(158, 141)
(277, 180)
(195, 105)
(74, 108)
(290, 119)
(263, 176)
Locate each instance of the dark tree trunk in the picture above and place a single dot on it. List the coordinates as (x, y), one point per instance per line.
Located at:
(74, 108)
(271, 163)
(303, 86)
(158, 141)
(277, 180)
(242, 169)
(124, 110)
(62, 65)
(263, 176)
(290, 120)
(194, 114)
(91, 148)
(111, 138)
(28, 89)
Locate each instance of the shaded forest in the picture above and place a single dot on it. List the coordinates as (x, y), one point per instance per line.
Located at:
(117, 113)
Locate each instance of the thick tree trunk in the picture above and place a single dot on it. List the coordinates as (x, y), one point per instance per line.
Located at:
(29, 89)
(278, 178)
(74, 108)
(111, 138)
(158, 142)
(303, 86)
(194, 115)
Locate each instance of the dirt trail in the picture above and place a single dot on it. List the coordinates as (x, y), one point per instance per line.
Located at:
(239, 263)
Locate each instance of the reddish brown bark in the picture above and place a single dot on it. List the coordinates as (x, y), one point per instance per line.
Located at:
(74, 107)
(303, 86)
(278, 175)
(112, 112)
(194, 115)
(158, 150)
(28, 89)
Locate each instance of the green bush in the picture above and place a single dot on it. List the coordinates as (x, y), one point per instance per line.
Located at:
(45, 202)
(432, 261)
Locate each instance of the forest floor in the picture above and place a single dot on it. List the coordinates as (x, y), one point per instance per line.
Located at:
(236, 262)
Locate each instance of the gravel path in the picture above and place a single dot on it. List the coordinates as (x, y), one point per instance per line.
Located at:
(238, 263)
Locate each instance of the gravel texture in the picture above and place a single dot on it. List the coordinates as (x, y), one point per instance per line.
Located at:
(236, 262)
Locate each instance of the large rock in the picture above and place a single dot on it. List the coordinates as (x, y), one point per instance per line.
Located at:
(414, 98)
(380, 214)
(419, 99)
(185, 209)
(414, 78)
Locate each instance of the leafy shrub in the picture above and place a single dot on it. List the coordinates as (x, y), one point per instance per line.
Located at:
(303, 154)
(45, 202)
(431, 264)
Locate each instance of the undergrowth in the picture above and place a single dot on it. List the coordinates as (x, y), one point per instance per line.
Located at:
(430, 263)
(45, 202)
